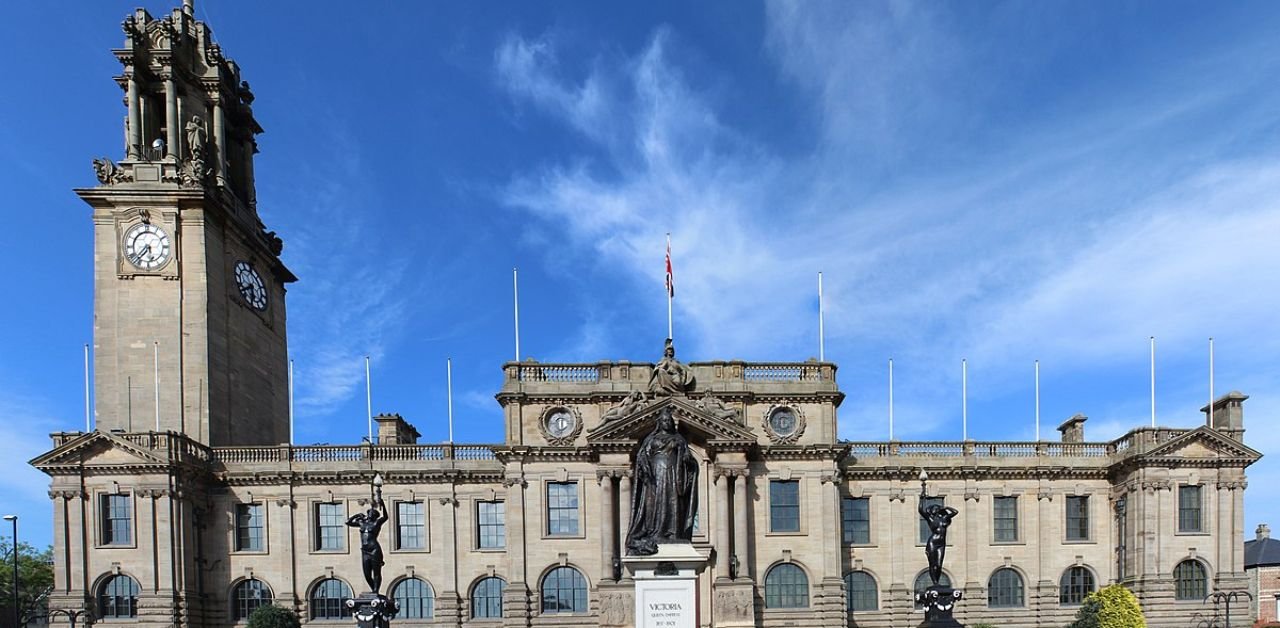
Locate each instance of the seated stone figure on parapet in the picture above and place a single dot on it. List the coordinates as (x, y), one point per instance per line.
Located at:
(629, 405)
(669, 376)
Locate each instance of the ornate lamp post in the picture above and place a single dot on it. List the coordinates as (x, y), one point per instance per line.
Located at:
(1227, 597)
(17, 612)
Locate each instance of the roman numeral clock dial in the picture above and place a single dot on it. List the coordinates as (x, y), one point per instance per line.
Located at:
(147, 246)
(252, 288)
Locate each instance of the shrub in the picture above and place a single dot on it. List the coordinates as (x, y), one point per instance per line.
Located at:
(1110, 607)
(272, 616)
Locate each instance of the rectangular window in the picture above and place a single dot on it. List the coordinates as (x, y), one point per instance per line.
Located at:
(562, 508)
(330, 526)
(117, 519)
(251, 527)
(784, 505)
(491, 526)
(1077, 517)
(855, 520)
(1189, 509)
(1006, 519)
(411, 526)
(924, 525)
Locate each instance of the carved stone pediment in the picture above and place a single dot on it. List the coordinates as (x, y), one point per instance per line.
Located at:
(695, 422)
(98, 449)
(1204, 444)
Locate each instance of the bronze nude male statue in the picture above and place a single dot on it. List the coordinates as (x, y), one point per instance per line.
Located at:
(665, 499)
(370, 524)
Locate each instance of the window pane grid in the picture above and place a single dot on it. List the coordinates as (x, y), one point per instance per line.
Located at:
(562, 508)
(410, 525)
(1190, 581)
(1077, 518)
(416, 599)
(564, 590)
(250, 528)
(327, 597)
(486, 598)
(249, 595)
(491, 524)
(1189, 519)
(855, 519)
(784, 505)
(1005, 589)
(1006, 519)
(786, 587)
(117, 528)
(924, 525)
(860, 592)
(1077, 583)
(330, 524)
(119, 598)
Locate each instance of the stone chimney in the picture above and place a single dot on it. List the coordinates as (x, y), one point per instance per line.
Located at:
(394, 430)
(1228, 414)
(1073, 429)
(1264, 531)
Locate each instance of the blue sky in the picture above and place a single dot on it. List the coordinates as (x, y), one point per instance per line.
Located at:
(1001, 182)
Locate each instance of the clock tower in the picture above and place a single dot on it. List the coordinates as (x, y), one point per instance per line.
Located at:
(189, 288)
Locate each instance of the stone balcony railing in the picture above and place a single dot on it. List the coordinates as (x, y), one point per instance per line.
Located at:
(351, 453)
(624, 375)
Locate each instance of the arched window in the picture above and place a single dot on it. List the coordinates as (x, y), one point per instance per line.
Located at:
(248, 596)
(860, 592)
(1077, 583)
(327, 599)
(1190, 582)
(486, 598)
(118, 597)
(924, 582)
(1004, 589)
(564, 590)
(416, 599)
(785, 586)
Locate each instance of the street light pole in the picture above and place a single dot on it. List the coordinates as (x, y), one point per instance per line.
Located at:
(17, 612)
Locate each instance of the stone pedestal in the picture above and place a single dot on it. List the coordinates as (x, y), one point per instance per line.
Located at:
(372, 610)
(938, 602)
(666, 586)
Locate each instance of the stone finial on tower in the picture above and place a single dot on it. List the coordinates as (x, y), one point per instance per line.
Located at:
(1227, 414)
(1073, 429)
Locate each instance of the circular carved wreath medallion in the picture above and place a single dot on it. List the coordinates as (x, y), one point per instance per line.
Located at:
(560, 425)
(783, 423)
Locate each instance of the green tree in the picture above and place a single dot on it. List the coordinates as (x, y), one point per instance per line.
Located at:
(35, 578)
(272, 616)
(1110, 607)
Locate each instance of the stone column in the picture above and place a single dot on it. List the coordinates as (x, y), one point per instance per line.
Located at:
(220, 140)
(722, 524)
(171, 115)
(607, 535)
(624, 513)
(515, 600)
(1222, 528)
(135, 119)
(741, 549)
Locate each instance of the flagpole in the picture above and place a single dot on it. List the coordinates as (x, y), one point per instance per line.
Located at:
(155, 360)
(890, 398)
(822, 356)
(964, 397)
(1153, 381)
(291, 441)
(1210, 381)
(1037, 401)
(670, 288)
(515, 289)
(88, 424)
(368, 396)
(448, 365)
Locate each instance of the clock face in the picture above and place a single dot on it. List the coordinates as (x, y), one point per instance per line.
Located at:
(783, 421)
(560, 423)
(147, 246)
(251, 286)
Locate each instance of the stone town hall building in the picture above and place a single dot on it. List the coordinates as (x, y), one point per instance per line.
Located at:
(185, 507)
